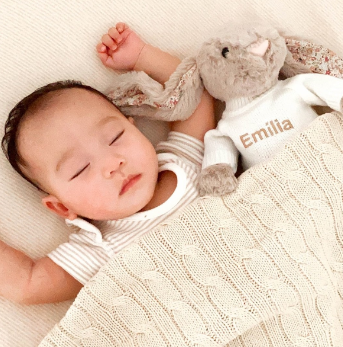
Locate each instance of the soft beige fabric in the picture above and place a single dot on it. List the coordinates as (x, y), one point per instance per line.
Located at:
(46, 40)
(260, 267)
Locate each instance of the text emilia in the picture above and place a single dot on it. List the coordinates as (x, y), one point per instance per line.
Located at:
(272, 128)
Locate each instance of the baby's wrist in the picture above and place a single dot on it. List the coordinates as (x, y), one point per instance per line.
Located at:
(140, 62)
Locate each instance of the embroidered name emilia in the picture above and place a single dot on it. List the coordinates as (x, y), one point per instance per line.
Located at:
(272, 128)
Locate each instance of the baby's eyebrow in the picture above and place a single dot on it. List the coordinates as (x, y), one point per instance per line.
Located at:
(105, 121)
(65, 156)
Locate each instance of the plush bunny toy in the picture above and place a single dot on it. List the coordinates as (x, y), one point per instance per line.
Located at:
(241, 67)
(262, 113)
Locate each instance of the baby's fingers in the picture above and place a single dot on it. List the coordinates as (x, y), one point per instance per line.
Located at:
(121, 27)
(103, 57)
(101, 48)
(108, 42)
(103, 53)
(106, 59)
(115, 35)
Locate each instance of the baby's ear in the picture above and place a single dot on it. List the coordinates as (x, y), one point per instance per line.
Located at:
(55, 206)
(137, 94)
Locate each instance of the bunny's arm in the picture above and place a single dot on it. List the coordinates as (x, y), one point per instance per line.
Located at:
(219, 148)
(217, 177)
(319, 90)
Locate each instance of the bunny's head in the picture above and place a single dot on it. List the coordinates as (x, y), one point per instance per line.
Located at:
(243, 62)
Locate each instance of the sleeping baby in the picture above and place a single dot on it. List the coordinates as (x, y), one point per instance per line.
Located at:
(97, 171)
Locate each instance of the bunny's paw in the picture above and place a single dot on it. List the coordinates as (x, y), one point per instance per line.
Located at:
(217, 180)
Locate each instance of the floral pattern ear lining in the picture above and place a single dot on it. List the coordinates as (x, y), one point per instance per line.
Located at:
(135, 97)
(318, 58)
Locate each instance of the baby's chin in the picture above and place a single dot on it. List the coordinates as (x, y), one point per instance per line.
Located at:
(102, 216)
(113, 213)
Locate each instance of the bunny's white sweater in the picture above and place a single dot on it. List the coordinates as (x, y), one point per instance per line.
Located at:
(258, 128)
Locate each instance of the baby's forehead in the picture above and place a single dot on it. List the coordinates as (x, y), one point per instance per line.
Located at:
(71, 101)
(68, 108)
(77, 96)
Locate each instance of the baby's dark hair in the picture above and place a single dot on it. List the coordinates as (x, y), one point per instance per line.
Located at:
(9, 141)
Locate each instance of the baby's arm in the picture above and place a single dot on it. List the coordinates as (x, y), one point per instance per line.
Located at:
(122, 49)
(201, 121)
(26, 281)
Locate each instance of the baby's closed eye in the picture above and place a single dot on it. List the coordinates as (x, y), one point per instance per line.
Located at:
(80, 172)
(117, 137)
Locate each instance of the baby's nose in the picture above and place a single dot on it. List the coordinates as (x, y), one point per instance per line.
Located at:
(259, 48)
(112, 166)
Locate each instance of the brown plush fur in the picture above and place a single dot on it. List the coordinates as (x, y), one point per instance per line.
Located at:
(241, 73)
(212, 179)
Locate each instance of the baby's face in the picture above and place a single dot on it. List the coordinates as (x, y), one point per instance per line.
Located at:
(85, 153)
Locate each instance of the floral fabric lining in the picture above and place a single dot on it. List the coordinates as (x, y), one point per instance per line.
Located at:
(135, 97)
(318, 58)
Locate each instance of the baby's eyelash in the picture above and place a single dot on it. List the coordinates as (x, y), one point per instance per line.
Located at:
(79, 172)
(117, 137)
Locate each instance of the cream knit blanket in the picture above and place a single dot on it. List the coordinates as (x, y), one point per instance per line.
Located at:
(260, 267)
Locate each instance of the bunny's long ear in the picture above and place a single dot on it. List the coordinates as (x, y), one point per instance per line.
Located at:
(293, 66)
(137, 94)
(304, 57)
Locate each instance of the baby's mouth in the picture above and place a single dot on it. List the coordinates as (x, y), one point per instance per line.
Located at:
(129, 182)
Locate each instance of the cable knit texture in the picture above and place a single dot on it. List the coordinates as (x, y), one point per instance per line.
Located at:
(260, 267)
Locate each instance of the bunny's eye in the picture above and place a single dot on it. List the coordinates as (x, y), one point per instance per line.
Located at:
(225, 50)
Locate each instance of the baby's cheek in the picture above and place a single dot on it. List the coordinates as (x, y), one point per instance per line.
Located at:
(80, 197)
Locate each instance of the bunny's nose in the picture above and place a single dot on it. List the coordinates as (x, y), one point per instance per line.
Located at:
(259, 48)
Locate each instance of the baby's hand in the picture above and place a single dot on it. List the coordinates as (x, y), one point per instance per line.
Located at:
(120, 48)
